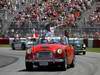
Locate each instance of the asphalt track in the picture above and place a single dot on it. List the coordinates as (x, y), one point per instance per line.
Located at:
(88, 64)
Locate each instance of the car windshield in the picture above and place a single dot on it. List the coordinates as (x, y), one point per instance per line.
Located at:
(43, 41)
(54, 40)
(77, 42)
(74, 42)
(71, 42)
(23, 40)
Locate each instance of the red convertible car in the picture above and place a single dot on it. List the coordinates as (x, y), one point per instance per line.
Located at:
(54, 52)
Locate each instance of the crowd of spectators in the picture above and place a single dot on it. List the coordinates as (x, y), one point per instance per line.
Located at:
(2, 3)
(62, 12)
(94, 18)
(6, 4)
(85, 35)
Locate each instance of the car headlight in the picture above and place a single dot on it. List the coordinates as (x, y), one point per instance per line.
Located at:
(29, 51)
(59, 51)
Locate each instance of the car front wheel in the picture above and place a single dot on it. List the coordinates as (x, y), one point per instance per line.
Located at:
(23, 47)
(84, 53)
(29, 66)
(72, 65)
(64, 65)
(13, 48)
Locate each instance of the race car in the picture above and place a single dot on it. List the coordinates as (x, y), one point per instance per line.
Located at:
(50, 53)
(22, 44)
(78, 46)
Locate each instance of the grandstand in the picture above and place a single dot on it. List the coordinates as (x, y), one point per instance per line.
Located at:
(23, 16)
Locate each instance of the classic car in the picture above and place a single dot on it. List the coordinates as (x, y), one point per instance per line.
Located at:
(78, 46)
(52, 53)
(22, 44)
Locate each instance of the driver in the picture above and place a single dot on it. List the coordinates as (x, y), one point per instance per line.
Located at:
(43, 40)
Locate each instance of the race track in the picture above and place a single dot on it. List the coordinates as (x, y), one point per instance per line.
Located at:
(14, 61)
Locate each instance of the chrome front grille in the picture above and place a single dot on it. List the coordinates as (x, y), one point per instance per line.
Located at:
(44, 55)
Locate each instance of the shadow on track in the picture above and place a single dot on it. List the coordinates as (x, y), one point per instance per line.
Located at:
(43, 69)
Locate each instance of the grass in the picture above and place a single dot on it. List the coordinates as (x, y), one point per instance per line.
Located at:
(97, 50)
(4, 45)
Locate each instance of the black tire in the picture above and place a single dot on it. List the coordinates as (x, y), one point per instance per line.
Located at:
(84, 53)
(29, 66)
(68, 66)
(63, 66)
(72, 65)
(13, 48)
(23, 47)
(76, 53)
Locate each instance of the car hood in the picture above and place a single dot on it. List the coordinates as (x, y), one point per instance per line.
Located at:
(47, 47)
